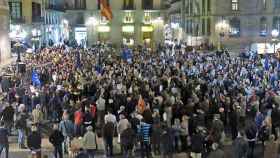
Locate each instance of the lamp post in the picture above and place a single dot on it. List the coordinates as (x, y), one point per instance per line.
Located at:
(274, 34)
(222, 28)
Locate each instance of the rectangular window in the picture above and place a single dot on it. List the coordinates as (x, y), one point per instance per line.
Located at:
(209, 6)
(36, 11)
(276, 4)
(208, 26)
(15, 10)
(128, 4)
(234, 5)
(80, 4)
(147, 4)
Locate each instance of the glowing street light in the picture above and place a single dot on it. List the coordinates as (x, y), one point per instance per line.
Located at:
(91, 21)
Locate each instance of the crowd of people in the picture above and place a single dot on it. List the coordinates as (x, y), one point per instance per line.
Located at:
(158, 103)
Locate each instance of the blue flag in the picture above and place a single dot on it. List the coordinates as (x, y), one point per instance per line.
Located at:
(35, 78)
(266, 63)
(127, 55)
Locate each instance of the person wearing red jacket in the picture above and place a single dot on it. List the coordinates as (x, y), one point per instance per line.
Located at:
(78, 122)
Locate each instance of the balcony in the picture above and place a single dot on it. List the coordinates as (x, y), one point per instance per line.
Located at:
(55, 7)
(17, 20)
(37, 19)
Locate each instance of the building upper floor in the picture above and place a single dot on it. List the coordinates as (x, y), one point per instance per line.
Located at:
(224, 7)
(115, 4)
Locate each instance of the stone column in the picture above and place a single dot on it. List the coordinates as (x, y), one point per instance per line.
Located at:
(5, 50)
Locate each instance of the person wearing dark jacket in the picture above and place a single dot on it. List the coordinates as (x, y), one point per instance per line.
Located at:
(88, 118)
(4, 143)
(7, 116)
(56, 139)
(21, 126)
(240, 146)
(251, 135)
(108, 135)
(127, 141)
(34, 141)
(197, 144)
(167, 139)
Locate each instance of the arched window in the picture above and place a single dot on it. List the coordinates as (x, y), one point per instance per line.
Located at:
(234, 27)
(128, 4)
(263, 26)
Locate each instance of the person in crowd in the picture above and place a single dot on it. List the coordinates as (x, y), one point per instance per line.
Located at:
(56, 139)
(37, 116)
(122, 125)
(7, 116)
(4, 142)
(67, 129)
(100, 107)
(184, 135)
(145, 131)
(78, 122)
(88, 118)
(177, 131)
(90, 142)
(108, 135)
(21, 125)
(251, 136)
(197, 144)
(127, 141)
(34, 142)
(167, 139)
(240, 146)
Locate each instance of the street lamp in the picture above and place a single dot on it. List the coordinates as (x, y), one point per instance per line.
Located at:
(222, 28)
(274, 34)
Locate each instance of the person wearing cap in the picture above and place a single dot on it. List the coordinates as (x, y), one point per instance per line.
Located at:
(56, 139)
(89, 142)
(4, 142)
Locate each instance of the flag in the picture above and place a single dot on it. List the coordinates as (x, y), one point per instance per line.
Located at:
(106, 10)
(127, 55)
(266, 63)
(35, 78)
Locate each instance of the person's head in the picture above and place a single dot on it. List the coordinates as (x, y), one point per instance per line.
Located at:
(34, 128)
(89, 128)
(55, 126)
(271, 137)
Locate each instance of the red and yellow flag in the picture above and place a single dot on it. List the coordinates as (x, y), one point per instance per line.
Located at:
(106, 10)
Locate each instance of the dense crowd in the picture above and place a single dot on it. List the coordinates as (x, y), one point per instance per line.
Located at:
(158, 103)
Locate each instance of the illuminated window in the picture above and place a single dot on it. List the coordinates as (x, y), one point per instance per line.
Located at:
(235, 27)
(147, 18)
(276, 23)
(15, 10)
(234, 5)
(276, 4)
(128, 17)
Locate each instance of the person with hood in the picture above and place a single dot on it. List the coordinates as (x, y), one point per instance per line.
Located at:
(90, 142)
(240, 146)
(56, 139)
(34, 141)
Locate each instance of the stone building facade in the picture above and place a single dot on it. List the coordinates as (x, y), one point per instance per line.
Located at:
(250, 21)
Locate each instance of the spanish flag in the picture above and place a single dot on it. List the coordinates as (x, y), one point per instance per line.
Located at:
(106, 10)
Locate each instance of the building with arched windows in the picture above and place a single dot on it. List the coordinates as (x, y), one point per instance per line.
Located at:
(5, 51)
(249, 21)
